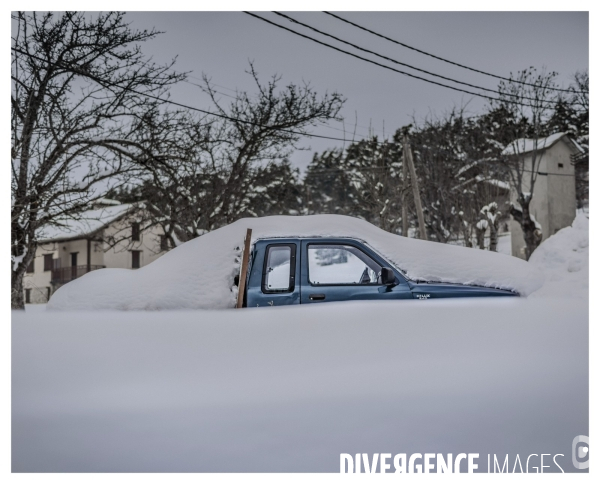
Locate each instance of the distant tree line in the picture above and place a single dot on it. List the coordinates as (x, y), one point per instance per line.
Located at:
(464, 179)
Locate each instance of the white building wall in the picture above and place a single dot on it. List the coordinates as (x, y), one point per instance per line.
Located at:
(38, 282)
(119, 254)
(562, 204)
(553, 204)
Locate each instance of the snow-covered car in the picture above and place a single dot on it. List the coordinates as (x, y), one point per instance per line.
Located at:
(300, 259)
(309, 270)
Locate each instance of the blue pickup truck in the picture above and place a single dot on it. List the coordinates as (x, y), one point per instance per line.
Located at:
(313, 270)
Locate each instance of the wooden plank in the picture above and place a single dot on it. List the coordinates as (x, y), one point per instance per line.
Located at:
(244, 271)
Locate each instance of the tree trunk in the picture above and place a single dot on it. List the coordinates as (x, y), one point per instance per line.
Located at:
(493, 218)
(493, 236)
(17, 300)
(480, 232)
(531, 234)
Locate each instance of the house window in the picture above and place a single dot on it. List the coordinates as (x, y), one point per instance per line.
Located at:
(560, 165)
(135, 231)
(47, 262)
(135, 259)
(27, 296)
(164, 242)
(29, 269)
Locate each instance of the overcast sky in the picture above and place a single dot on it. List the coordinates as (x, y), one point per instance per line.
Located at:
(220, 44)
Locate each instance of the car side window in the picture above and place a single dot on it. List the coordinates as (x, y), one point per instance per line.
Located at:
(341, 264)
(279, 268)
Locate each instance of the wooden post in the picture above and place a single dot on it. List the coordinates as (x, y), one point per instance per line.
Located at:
(404, 207)
(414, 182)
(244, 269)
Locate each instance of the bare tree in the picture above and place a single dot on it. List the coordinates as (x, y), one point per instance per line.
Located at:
(221, 162)
(79, 83)
(528, 98)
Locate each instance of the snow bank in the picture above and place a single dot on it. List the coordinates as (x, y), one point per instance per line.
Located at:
(564, 258)
(199, 274)
(289, 389)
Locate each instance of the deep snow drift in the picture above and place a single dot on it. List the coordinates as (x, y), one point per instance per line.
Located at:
(565, 260)
(199, 274)
(290, 388)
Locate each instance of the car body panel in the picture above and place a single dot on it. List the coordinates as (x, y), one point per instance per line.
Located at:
(302, 291)
(255, 293)
(432, 290)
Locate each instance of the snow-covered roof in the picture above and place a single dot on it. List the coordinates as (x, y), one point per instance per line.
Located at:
(199, 274)
(498, 183)
(106, 201)
(466, 167)
(84, 224)
(526, 145)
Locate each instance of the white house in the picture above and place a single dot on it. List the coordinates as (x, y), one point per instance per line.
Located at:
(554, 201)
(110, 234)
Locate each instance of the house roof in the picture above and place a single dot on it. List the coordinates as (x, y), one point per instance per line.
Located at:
(86, 223)
(526, 145)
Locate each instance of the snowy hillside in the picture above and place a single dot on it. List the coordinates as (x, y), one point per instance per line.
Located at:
(200, 273)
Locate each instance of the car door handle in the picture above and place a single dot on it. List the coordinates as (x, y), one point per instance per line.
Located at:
(316, 297)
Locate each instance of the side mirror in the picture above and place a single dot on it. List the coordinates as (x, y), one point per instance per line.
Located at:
(387, 276)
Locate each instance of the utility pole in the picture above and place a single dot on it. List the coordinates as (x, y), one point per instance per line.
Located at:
(408, 159)
(404, 201)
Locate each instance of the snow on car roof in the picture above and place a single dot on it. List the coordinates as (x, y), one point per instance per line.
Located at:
(199, 274)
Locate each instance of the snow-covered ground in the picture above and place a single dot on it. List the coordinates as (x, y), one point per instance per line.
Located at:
(565, 260)
(290, 388)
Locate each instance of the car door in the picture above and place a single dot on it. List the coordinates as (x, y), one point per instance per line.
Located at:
(273, 273)
(344, 270)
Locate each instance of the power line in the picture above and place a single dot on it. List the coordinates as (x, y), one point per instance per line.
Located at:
(383, 65)
(203, 88)
(398, 62)
(219, 115)
(174, 103)
(446, 60)
(214, 90)
(370, 128)
(384, 168)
